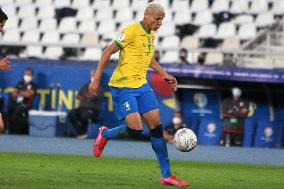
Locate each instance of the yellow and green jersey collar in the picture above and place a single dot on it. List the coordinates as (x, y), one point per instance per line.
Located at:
(147, 31)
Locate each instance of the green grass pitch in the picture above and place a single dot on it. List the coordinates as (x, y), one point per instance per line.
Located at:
(28, 171)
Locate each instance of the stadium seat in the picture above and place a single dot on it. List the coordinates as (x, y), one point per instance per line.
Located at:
(203, 17)
(190, 42)
(6, 2)
(91, 54)
(264, 19)
(170, 42)
(210, 131)
(168, 15)
(46, 12)
(231, 43)
(278, 8)
(61, 3)
(123, 15)
(47, 24)
(110, 36)
(226, 30)
(120, 5)
(243, 19)
(167, 29)
(90, 38)
(164, 3)
(247, 31)
(268, 134)
(207, 31)
(139, 15)
(139, 5)
(22, 2)
(192, 57)
(220, 5)
(85, 13)
(214, 58)
(71, 38)
(182, 17)
(80, 3)
(199, 5)
(106, 27)
(31, 36)
(53, 53)
(11, 36)
(279, 64)
(104, 14)
(258, 6)
(100, 4)
(239, 6)
(44, 3)
(50, 37)
(34, 51)
(26, 11)
(257, 62)
(122, 25)
(12, 24)
(29, 24)
(180, 5)
(67, 24)
(9, 9)
(169, 57)
(87, 26)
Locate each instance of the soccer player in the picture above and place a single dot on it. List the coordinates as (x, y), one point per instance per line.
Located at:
(4, 62)
(133, 97)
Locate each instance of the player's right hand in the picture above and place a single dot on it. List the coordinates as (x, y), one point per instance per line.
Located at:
(5, 64)
(94, 87)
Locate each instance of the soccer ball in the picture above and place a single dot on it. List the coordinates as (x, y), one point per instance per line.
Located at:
(185, 140)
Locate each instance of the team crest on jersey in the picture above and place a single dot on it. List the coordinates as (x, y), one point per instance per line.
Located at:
(121, 37)
(127, 106)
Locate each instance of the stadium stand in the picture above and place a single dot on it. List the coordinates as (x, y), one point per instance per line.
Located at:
(223, 25)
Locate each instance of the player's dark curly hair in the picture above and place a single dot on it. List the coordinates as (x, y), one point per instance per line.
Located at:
(3, 16)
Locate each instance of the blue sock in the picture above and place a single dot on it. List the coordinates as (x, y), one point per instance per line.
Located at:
(160, 148)
(114, 132)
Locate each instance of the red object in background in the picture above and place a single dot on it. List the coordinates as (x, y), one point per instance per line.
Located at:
(161, 86)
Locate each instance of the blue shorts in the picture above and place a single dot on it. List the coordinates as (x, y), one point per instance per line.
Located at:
(130, 100)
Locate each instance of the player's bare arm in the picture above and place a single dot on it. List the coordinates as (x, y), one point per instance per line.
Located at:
(159, 69)
(1, 124)
(110, 50)
(5, 64)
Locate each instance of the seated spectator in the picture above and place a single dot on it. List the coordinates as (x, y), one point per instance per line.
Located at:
(234, 110)
(201, 58)
(183, 56)
(20, 103)
(170, 130)
(88, 111)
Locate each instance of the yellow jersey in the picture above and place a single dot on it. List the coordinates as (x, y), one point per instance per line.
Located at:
(135, 55)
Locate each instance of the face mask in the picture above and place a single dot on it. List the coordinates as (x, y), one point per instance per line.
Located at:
(28, 78)
(236, 92)
(176, 120)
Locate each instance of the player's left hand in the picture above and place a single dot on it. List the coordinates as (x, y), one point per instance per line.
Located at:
(94, 87)
(172, 81)
(5, 64)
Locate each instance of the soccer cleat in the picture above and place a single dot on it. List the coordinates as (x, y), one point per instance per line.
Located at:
(100, 143)
(172, 180)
